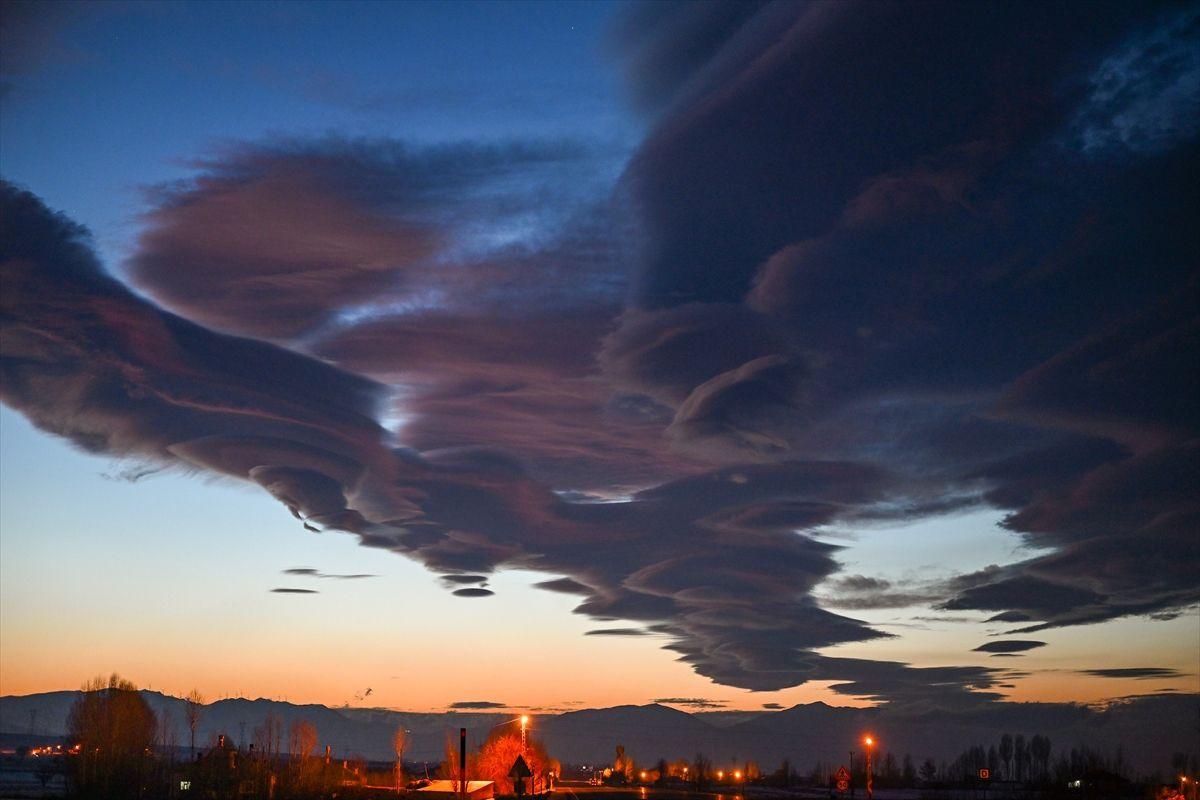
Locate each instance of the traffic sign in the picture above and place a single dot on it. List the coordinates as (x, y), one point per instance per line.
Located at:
(520, 769)
(984, 774)
(843, 785)
(842, 774)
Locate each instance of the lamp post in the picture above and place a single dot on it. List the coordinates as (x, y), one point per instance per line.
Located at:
(870, 743)
(524, 720)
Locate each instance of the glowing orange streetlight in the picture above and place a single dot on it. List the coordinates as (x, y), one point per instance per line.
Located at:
(870, 743)
(524, 722)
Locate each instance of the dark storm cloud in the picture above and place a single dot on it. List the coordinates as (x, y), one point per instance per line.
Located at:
(476, 705)
(665, 45)
(912, 688)
(284, 590)
(998, 304)
(85, 358)
(1009, 646)
(1137, 673)
(617, 632)
(476, 279)
(278, 238)
(875, 277)
(523, 383)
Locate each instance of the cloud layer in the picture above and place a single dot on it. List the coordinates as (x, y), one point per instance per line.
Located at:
(872, 263)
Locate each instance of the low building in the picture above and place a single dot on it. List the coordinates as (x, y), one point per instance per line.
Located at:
(448, 790)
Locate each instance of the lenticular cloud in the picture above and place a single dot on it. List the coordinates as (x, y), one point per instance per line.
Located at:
(814, 298)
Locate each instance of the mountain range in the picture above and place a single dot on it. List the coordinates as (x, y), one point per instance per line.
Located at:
(1146, 730)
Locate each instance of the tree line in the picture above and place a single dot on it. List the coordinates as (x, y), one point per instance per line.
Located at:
(118, 749)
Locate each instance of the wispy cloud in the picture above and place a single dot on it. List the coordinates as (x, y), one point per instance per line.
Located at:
(691, 702)
(1009, 646)
(1137, 673)
(309, 572)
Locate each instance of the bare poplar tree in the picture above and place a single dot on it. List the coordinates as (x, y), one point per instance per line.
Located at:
(193, 708)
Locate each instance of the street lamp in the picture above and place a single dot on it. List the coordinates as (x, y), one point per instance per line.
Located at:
(870, 743)
(524, 722)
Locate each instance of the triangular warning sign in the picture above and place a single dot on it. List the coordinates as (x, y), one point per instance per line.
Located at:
(519, 769)
(843, 774)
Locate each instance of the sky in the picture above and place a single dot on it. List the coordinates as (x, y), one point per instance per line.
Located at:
(559, 355)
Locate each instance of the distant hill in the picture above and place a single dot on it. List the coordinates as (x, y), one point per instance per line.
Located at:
(1147, 730)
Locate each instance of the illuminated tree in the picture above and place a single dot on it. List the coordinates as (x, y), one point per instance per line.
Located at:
(500, 751)
(267, 737)
(114, 728)
(399, 740)
(622, 768)
(449, 768)
(302, 739)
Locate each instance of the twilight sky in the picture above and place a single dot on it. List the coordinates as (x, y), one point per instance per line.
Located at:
(742, 354)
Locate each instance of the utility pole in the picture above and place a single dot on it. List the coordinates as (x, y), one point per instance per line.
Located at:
(462, 761)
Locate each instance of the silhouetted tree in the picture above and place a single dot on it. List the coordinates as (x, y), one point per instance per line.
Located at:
(193, 708)
(115, 728)
(928, 771)
(1039, 753)
(993, 761)
(1006, 754)
(1020, 755)
(908, 772)
(701, 767)
(889, 771)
